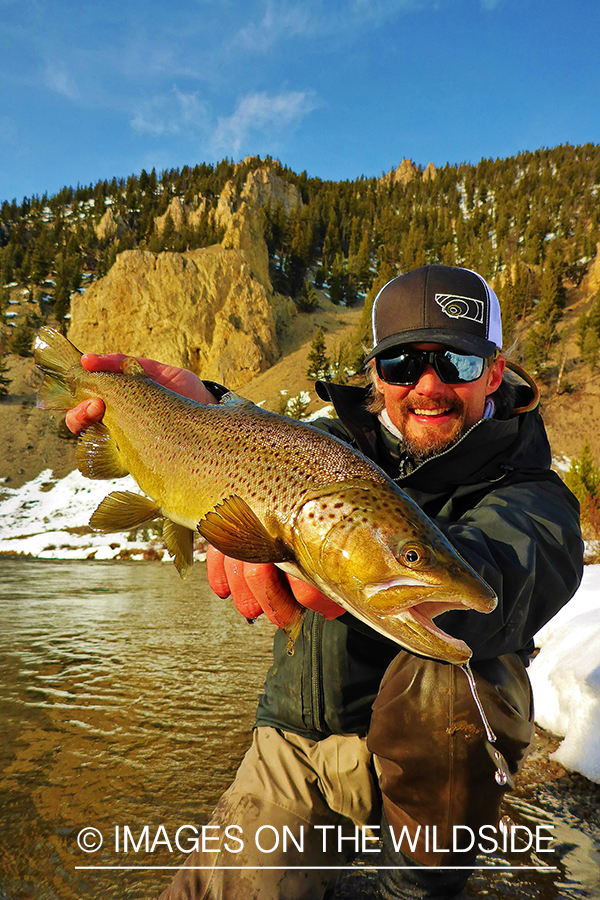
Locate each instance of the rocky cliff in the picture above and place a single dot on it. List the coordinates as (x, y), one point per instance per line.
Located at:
(211, 310)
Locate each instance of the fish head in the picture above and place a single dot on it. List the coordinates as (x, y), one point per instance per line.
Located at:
(372, 549)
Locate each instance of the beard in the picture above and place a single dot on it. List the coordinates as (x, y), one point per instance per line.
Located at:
(429, 442)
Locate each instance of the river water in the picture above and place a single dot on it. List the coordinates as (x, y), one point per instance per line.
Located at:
(127, 700)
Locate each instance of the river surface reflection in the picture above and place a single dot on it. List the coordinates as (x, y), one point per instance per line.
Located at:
(127, 700)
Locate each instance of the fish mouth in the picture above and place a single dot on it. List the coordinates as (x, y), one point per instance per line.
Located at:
(383, 598)
(425, 636)
(409, 619)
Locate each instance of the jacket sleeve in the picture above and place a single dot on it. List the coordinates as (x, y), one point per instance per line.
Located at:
(524, 539)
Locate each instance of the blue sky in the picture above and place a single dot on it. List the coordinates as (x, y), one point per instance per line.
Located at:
(339, 89)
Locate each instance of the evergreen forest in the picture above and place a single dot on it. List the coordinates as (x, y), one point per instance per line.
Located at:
(529, 224)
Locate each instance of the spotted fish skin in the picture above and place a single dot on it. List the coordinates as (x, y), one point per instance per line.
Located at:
(266, 488)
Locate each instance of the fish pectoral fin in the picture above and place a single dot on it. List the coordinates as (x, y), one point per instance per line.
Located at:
(180, 544)
(234, 529)
(98, 454)
(122, 511)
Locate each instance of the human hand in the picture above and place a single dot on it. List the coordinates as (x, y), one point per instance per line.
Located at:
(256, 588)
(181, 381)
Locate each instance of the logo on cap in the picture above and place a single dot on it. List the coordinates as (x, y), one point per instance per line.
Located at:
(461, 307)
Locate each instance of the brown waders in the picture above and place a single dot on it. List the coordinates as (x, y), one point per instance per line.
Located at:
(294, 807)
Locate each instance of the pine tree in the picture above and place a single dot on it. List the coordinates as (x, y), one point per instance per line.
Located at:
(307, 300)
(583, 478)
(338, 279)
(359, 263)
(507, 298)
(4, 379)
(591, 348)
(319, 365)
(22, 342)
(331, 245)
(553, 295)
(296, 407)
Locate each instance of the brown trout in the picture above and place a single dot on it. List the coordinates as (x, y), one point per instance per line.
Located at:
(265, 488)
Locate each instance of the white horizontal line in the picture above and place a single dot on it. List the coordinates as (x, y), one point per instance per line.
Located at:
(318, 868)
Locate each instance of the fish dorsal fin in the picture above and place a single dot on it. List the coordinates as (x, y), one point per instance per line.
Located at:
(98, 454)
(180, 544)
(130, 366)
(234, 529)
(122, 511)
(234, 400)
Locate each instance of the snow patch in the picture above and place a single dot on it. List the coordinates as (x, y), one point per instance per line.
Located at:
(565, 676)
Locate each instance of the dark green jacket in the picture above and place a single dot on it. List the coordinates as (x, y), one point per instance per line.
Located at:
(494, 496)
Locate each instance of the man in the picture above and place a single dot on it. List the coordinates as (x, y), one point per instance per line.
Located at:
(470, 448)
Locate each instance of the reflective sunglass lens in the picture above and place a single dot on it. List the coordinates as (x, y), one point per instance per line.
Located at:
(454, 368)
(404, 369)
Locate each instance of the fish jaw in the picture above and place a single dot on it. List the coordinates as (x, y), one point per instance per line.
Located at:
(370, 548)
(413, 628)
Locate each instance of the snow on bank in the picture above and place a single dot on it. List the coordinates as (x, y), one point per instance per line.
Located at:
(46, 518)
(566, 678)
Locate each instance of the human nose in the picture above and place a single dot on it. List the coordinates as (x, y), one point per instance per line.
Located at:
(429, 383)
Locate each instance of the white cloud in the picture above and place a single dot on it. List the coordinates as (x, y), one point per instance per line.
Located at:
(280, 20)
(376, 12)
(174, 112)
(283, 19)
(260, 113)
(58, 79)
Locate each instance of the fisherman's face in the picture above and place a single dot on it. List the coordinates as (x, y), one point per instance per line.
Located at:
(432, 415)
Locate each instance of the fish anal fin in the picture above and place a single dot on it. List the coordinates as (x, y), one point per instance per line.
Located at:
(234, 529)
(122, 511)
(180, 544)
(98, 454)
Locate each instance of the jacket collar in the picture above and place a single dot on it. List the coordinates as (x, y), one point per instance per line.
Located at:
(488, 450)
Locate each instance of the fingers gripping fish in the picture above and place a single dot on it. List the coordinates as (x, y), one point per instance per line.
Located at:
(266, 488)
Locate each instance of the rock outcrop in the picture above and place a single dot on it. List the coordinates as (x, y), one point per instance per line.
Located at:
(430, 173)
(211, 310)
(405, 172)
(110, 226)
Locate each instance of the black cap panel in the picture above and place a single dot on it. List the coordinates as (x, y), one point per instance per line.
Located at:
(440, 304)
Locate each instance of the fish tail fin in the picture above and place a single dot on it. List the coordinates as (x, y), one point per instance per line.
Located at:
(55, 356)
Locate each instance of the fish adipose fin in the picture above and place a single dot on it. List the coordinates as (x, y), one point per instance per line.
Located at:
(236, 531)
(234, 400)
(180, 544)
(122, 511)
(98, 454)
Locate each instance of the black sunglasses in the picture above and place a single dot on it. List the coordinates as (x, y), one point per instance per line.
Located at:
(407, 365)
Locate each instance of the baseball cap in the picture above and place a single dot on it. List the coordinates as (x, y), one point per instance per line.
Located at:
(437, 304)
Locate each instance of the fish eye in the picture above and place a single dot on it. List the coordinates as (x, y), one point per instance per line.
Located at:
(414, 555)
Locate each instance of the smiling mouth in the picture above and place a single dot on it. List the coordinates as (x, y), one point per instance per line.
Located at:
(431, 413)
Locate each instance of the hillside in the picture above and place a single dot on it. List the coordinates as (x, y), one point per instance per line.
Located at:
(33, 440)
(229, 269)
